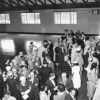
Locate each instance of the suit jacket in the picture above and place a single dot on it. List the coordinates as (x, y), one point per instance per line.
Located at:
(34, 84)
(34, 93)
(68, 84)
(64, 67)
(50, 86)
(51, 65)
(44, 73)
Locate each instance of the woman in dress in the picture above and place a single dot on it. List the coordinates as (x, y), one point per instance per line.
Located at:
(92, 78)
(76, 72)
(97, 91)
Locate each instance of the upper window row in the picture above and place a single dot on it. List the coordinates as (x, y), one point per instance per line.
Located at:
(34, 18)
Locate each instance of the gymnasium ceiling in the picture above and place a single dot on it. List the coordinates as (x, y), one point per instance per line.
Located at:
(15, 5)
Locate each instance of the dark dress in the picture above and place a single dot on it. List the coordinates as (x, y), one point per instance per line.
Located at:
(85, 58)
(59, 55)
(1, 87)
(51, 51)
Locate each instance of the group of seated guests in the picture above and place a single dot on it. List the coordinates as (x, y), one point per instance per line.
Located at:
(53, 71)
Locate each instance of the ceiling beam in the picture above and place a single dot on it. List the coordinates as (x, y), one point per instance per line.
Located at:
(4, 2)
(27, 2)
(45, 2)
(62, 2)
(18, 3)
(72, 1)
(23, 2)
(14, 3)
(34, 3)
(50, 6)
(10, 2)
(41, 2)
(84, 1)
(51, 1)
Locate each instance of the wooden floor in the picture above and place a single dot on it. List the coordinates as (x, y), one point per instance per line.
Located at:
(83, 89)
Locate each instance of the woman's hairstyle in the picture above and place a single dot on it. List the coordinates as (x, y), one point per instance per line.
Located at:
(71, 89)
(42, 87)
(93, 65)
(95, 55)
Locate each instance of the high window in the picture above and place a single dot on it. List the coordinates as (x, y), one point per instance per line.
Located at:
(4, 19)
(65, 17)
(30, 18)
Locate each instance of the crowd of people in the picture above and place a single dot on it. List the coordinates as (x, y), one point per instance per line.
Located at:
(54, 71)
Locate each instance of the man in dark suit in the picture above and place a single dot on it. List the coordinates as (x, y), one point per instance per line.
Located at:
(34, 84)
(64, 66)
(51, 85)
(50, 63)
(44, 73)
(12, 83)
(67, 82)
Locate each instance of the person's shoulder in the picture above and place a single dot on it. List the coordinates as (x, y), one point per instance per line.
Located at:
(12, 98)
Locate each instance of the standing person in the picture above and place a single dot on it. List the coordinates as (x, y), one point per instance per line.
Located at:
(51, 49)
(44, 54)
(59, 55)
(76, 72)
(32, 48)
(87, 44)
(64, 66)
(50, 63)
(97, 91)
(34, 84)
(51, 85)
(67, 82)
(92, 79)
(12, 83)
(1, 85)
(40, 51)
(24, 88)
(44, 73)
